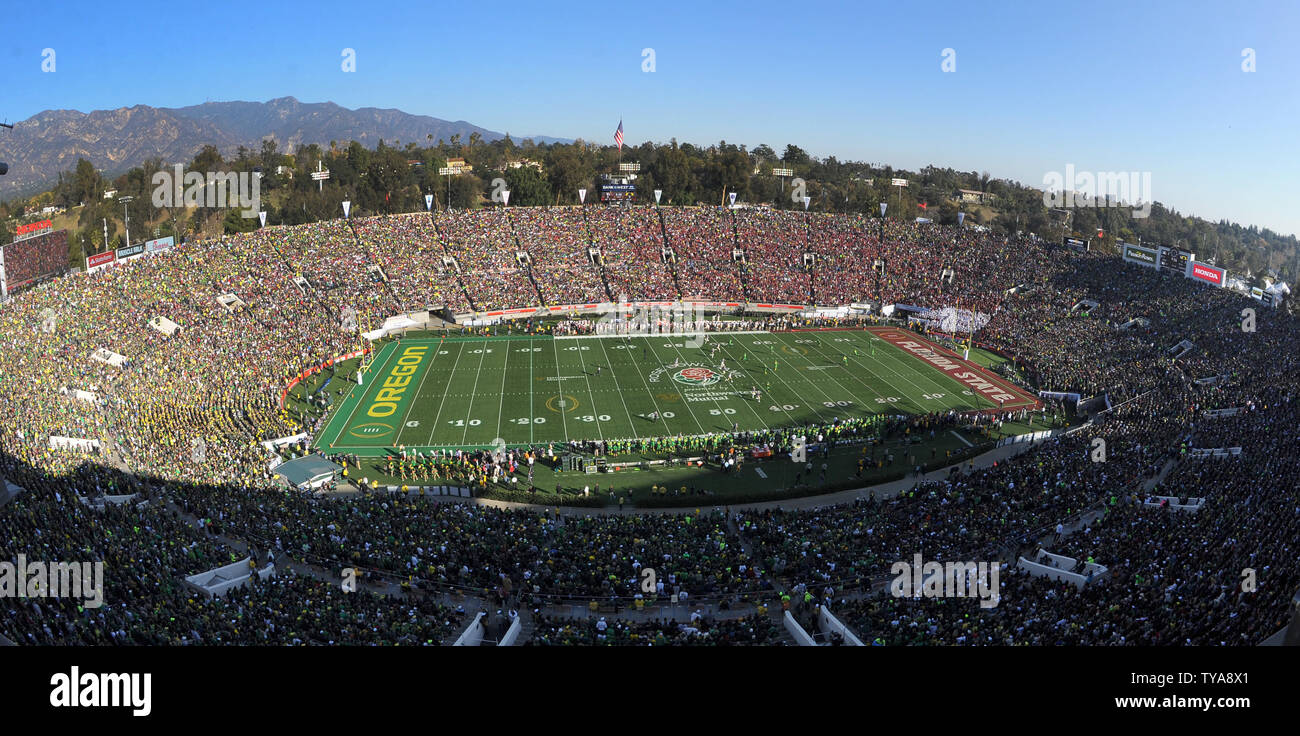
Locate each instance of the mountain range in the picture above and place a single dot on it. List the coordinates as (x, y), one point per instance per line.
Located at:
(38, 148)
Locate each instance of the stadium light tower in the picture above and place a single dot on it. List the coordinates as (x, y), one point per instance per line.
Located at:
(126, 218)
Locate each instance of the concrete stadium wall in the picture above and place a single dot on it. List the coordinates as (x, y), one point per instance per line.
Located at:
(473, 635)
(797, 632)
(830, 623)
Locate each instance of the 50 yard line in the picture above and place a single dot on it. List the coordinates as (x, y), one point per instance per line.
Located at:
(559, 382)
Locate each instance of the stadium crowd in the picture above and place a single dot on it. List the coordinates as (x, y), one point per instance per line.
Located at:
(178, 417)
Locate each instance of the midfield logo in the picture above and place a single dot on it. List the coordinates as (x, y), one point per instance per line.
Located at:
(693, 375)
(696, 377)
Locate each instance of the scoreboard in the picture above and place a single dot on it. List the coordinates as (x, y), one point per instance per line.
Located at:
(617, 192)
(1175, 260)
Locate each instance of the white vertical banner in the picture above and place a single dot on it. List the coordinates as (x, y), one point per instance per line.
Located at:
(658, 193)
(262, 217)
(960, 217)
(347, 207)
(806, 200)
(883, 205)
(505, 197)
(582, 196)
(733, 199)
(428, 201)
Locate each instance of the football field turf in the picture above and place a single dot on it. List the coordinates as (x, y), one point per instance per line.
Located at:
(479, 391)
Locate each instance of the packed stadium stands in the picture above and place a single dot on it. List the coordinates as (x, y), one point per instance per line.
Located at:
(180, 419)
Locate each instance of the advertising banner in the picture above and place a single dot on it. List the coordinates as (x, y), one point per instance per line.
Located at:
(100, 259)
(1139, 255)
(1207, 274)
(33, 229)
(130, 251)
(153, 246)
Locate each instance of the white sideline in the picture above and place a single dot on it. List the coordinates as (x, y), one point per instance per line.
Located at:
(666, 334)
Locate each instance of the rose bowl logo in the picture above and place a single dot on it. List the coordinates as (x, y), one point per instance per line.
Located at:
(697, 377)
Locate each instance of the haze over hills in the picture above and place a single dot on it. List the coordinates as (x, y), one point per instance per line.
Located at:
(49, 142)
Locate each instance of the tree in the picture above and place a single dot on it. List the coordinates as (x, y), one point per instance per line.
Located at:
(527, 187)
(794, 155)
(567, 171)
(207, 159)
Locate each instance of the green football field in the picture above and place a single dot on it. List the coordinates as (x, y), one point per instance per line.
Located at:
(477, 392)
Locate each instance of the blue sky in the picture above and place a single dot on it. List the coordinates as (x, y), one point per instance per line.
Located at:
(1105, 86)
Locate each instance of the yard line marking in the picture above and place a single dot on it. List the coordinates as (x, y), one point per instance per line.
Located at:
(810, 381)
(563, 419)
(505, 369)
(751, 404)
(416, 399)
(868, 409)
(685, 401)
(630, 422)
(650, 392)
(953, 432)
(459, 351)
(777, 373)
(592, 397)
(362, 398)
(474, 392)
(901, 358)
(884, 371)
(532, 400)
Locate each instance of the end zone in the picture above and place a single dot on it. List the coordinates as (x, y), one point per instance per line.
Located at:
(995, 389)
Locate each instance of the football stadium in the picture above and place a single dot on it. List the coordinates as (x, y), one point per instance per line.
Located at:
(367, 378)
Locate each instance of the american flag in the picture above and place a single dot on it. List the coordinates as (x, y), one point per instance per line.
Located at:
(618, 135)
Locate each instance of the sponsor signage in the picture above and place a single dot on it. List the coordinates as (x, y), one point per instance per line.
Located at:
(130, 251)
(153, 246)
(1208, 274)
(898, 183)
(33, 229)
(1139, 255)
(1075, 243)
(100, 259)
